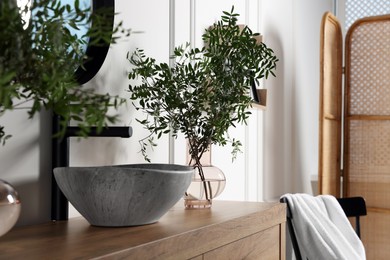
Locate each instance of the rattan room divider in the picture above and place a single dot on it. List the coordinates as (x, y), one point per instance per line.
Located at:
(366, 127)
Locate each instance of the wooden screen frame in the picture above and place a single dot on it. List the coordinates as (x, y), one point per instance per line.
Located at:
(329, 160)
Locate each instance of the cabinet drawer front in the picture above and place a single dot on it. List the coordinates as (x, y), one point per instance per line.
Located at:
(261, 245)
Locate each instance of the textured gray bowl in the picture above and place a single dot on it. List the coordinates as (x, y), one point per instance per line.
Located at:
(124, 195)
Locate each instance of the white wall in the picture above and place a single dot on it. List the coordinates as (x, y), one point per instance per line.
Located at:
(292, 28)
(25, 162)
(151, 17)
(281, 142)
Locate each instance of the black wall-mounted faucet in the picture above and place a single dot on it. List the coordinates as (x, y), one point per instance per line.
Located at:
(60, 158)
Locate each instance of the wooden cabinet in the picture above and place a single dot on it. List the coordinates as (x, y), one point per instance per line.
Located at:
(229, 230)
(262, 245)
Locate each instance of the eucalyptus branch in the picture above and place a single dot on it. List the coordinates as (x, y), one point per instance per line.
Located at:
(16, 106)
(206, 91)
(144, 145)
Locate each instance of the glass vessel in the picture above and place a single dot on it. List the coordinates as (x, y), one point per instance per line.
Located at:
(200, 193)
(9, 207)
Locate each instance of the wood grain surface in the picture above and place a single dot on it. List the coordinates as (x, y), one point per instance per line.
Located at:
(180, 234)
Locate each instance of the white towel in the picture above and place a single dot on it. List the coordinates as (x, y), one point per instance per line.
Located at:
(322, 228)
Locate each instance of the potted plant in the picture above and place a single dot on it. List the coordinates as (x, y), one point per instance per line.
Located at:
(39, 56)
(207, 90)
(41, 53)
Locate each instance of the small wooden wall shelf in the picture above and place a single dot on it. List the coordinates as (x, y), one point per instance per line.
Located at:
(231, 230)
(262, 96)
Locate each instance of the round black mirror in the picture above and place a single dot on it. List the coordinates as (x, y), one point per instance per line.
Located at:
(94, 49)
(96, 52)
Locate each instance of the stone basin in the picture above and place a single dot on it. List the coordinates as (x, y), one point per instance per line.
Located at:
(124, 195)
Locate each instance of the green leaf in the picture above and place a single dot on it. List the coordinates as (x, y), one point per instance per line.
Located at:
(206, 91)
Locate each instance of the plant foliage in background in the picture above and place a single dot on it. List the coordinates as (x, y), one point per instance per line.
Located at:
(206, 92)
(38, 59)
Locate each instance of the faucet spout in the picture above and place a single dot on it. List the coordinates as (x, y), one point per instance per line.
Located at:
(110, 131)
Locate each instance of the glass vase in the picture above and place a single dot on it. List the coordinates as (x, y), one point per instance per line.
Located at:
(9, 207)
(200, 193)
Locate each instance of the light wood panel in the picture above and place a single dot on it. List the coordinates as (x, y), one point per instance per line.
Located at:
(367, 128)
(330, 106)
(249, 247)
(180, 234)
(375, 230)
(282, 241)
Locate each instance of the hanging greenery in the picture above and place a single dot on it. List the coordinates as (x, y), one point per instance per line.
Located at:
(39, 57)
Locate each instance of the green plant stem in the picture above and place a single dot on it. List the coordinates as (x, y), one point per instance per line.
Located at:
(198, 165)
